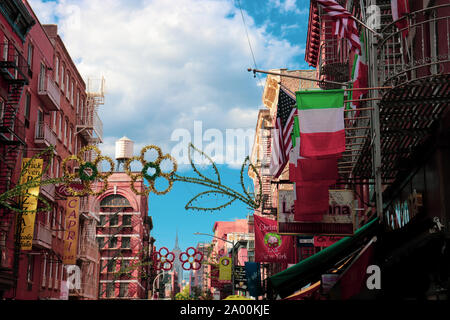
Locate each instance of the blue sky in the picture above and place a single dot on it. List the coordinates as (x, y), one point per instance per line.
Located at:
(169, 63)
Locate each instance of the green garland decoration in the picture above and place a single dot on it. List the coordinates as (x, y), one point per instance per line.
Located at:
(13, 198)
(84, 176)
(217, 188)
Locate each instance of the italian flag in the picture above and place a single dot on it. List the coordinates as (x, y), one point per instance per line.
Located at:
(400, 8)
(360, 73)
(321, 122)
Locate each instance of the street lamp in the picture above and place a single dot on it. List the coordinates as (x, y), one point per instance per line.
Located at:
(232, 255)
(154, 280)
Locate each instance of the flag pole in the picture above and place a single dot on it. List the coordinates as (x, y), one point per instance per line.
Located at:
(296, 77)
(366, 26)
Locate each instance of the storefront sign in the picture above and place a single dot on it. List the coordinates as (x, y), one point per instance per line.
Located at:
(71, 230)
(325, 241)
(338, 221)
(62, 191)
(30, 201)
(400, 212)
(225, 264)
(253, 274)
(269, 245)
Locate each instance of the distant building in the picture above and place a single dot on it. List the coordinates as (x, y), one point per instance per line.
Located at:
(123, 236)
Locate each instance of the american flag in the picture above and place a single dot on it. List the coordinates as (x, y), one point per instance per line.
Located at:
(281, 135)
(345, 24)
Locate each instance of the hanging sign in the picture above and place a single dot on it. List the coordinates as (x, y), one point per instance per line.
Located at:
(269, 245)
(71, 230)
(225, 268)
(30, 201)
(339, 220)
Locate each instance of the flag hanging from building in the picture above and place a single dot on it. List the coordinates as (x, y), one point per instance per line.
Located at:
(269, 245)
(345, 24)
(400, 8)
(281, 135)
(360, 72)
(321, 122)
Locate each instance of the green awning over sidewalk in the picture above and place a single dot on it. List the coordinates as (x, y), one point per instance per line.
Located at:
(310, 269)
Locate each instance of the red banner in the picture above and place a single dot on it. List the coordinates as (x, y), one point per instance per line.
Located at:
(269, 245)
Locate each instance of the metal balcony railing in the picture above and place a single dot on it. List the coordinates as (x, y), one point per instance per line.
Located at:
(49, 93)
(48, 190)
(12, 127)
(422, 53)
(89, 250)
(44, 135)
(13, 66)
(42, 236)
(88, 125)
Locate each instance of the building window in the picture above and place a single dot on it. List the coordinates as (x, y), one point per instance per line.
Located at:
(102, 220)
(57, 70)
(50, 276)
(2, 109)
(125, 243)
(112, 242)
(5, 49)
(78, 101)
(44, 271)
(67, 85)
(123, 289)
(126, 220)
(30, 56)
(113, 220)
(42, 77)
(115, 200)
(27, 109)
(65, 132)
(100, 241)
(71, 93)
(111, 267)
(110, 290)
(60, 126)
(62, 78)
(30, 269)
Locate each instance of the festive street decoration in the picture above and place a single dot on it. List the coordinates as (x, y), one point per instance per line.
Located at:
(191, 257)
(88, 174)
(217, 188)
(144, 172)
(13, 198)
(163, 259)
(87, 179)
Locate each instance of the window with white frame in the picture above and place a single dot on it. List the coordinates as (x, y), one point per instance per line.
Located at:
(5, 49)
(57, 69)
(62, 78)
(44, 271)
(67, 85)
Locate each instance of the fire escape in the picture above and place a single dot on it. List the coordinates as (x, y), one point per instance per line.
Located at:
(89, 126)
(411, 73)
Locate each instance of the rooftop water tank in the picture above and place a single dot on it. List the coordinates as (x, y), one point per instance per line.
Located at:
(124, 148)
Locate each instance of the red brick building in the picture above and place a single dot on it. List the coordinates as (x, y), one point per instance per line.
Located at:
(123, 236)
(38, 111)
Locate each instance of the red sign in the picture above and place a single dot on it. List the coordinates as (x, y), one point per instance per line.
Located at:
(269, 245)
(325, 241)
(62, 190)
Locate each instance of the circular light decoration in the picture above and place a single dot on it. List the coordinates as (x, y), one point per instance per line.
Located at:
(191, 257)
(163, 259)
(151, 178)
(87, 178)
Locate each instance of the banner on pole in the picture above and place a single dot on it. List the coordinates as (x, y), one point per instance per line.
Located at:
(71, 230)
(225, 264)
(30, 201)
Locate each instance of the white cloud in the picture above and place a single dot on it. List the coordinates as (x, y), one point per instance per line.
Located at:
(168, 63)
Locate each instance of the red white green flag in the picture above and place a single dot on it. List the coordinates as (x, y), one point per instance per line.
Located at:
(321, 122)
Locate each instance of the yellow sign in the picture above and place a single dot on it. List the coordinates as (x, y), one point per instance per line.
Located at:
(225, 268)
(71, 230)
(30, 201)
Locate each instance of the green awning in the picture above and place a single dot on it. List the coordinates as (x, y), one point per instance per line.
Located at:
(292, 279)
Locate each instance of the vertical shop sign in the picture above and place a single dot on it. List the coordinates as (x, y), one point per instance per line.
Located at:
(71, 230)
(30, 201)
